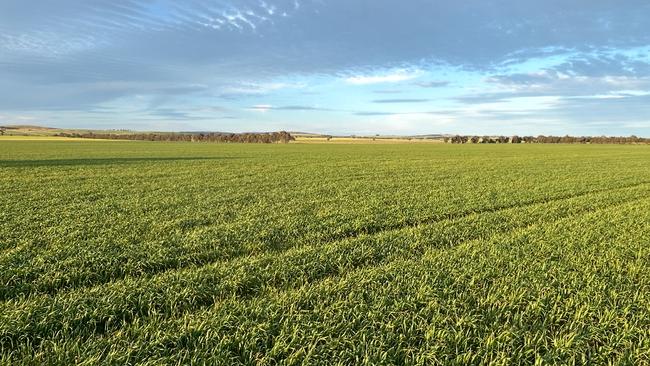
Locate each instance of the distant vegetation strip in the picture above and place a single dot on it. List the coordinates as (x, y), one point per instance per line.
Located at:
(267, 137)
(284, 137)
(541, 139)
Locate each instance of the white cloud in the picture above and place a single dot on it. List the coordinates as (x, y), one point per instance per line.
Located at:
(598, 96)
(618, 94)
(16, 119)
(394, 77)
(261, 107)
(632, 93)
(404, 124)
(261, 88)
(639, 124)
(511, 106)
(48, 43)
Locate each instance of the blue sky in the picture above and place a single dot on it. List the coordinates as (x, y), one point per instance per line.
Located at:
(331, 66)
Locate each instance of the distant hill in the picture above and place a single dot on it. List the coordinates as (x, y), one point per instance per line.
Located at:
(27, 127)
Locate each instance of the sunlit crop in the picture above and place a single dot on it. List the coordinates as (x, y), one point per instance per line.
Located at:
(178, 253)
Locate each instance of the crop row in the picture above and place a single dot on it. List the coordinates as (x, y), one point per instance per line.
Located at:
(106, 246)
(86, 312)
(567, 290)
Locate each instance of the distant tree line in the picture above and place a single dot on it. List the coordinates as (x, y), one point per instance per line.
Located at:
(266, 138)
(541, 139)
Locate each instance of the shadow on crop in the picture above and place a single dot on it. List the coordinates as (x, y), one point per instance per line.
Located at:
(100, 161)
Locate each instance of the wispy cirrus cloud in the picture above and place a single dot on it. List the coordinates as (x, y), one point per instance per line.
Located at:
(374, 113)
(382, 78)
(261, 107)
(398, 100)
(267, 107)
(432, 84)
(387, 91)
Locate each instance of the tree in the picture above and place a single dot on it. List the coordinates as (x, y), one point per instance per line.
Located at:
(457, 139)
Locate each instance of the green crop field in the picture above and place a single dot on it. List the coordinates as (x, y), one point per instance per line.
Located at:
(180, 253)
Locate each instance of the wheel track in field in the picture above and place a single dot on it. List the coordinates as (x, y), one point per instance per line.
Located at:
(388, 259)
(189, 327)
(233, 197)
(8, 293)
(94, 327)
(213, 259)
(372, 262)
(454, 216)
(7, 250)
